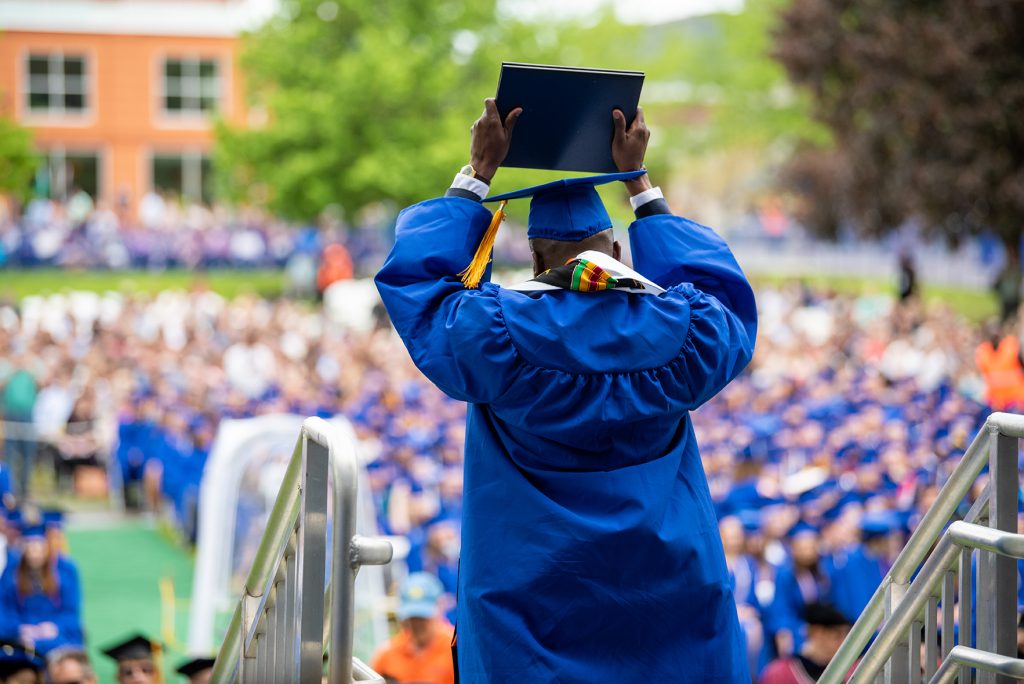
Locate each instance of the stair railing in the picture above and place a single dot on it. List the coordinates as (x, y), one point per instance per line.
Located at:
(277, 631)
(933, 578)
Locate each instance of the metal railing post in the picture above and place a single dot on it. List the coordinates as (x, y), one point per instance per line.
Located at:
(312, 560)
(1003, 516)
(343, 576)
(966, 608)
(897, 666)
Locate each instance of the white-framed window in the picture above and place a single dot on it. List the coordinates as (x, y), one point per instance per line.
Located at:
(62, 172)
(57, 83)
(191, 86)
(186, 174)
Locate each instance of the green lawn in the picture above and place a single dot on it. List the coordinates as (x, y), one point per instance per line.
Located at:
(975, 305)
(133, 579)
(230, 283)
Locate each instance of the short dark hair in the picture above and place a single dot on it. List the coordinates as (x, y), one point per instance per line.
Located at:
(823, 614)
(556, 252)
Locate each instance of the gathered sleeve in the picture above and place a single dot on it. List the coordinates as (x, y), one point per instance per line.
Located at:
(692, 260)
(457, 337)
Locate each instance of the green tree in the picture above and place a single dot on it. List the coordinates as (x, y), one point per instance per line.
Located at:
(18, 160)
(923, 100)
(373, 102)
(365, 102)
(723, 114)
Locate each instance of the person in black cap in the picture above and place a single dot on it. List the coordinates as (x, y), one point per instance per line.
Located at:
(137, 660)
(19, 665)
(198, 670)
(826, 629)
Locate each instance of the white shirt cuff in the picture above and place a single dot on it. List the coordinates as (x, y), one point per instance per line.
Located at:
(639, 200)
(477, 187)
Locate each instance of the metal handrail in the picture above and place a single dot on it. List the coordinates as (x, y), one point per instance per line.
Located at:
(282, 608)
(981, 660)
(901, 602)
(913, 602)
(978, 537)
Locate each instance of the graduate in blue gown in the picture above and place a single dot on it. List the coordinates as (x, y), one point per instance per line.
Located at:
(40, 597)
(590, 550)
(855, 572)
(799, 582)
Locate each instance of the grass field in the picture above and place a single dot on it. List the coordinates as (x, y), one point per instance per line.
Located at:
(230, 283)
(975, 305)
(133, 579)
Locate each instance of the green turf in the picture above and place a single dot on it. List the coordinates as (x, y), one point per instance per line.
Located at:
(15, 283)
(975, 305)
(121, 567)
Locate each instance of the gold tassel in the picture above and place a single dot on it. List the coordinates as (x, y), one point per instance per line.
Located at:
(472, 274)
(158, 663)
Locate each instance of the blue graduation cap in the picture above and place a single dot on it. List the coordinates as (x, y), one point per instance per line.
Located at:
(53, 519)
(751, 520)
(568, 209)
(802, 527)
(31, 523)
(879, 523)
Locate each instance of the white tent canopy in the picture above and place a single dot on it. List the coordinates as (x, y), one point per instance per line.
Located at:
(240, 484)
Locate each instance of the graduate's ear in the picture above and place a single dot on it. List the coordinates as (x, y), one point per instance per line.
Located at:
(616, 250)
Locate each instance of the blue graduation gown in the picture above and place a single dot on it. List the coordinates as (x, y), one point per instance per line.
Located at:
(854, 575)
(64, 609)
(791, 598)
(590, 549)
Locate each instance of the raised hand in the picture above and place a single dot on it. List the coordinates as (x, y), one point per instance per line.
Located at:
(629, 145)
(491, 139)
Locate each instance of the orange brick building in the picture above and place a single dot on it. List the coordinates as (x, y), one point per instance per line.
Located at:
(120, 94)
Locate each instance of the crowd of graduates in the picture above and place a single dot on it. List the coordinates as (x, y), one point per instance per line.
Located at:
(167, 233)
(821, 457)
(824, 456)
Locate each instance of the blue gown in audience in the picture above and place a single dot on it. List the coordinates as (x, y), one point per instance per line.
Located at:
(63, 610)
(131, 449)
(589, 536)
(5, 481)
(794, 589)
(855, 574)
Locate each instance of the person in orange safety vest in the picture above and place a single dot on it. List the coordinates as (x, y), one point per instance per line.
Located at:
(1000, 364)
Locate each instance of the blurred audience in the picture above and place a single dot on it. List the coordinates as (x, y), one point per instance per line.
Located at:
(19, 665)
(821, 458)
(40, 597)
(421, 652)
(69, 665)
(137, 659)
(197, 670)
(826, 629)
(168, 233)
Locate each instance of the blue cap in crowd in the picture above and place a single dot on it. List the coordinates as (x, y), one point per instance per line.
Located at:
(802, 527)
(879, 523)
(418, 596)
